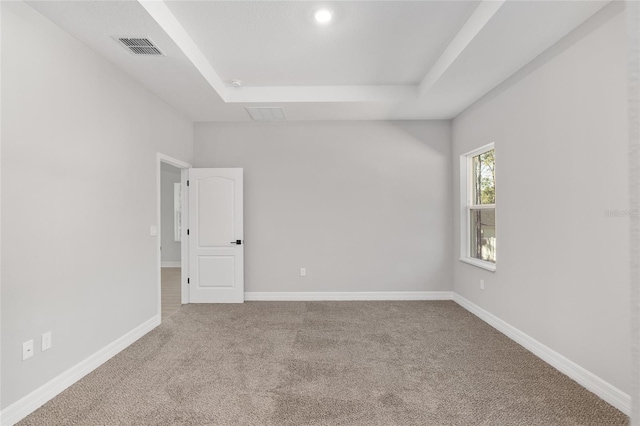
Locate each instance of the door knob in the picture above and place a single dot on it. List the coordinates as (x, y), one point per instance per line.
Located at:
(238, 242)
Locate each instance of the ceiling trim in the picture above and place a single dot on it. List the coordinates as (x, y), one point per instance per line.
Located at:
(161, 13)
(174, 29)
(322, 94)
(480, 17)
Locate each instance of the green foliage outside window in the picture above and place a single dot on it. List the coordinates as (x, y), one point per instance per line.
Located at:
(483, 221)
(484, 167)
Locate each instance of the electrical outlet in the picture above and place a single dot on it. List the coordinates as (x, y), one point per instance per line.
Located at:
(303, 272)
(27, 350)
(153, 231)
(481, 284)
(46, 340)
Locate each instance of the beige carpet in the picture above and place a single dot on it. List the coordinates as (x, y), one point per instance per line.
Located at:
(326, 363)
(170, 295)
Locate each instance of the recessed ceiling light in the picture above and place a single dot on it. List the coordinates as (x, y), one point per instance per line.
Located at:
(323, 16)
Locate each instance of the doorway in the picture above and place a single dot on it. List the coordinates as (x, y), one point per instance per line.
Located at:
(172, 261)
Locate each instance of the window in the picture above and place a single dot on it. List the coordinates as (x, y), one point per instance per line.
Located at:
(478, 205)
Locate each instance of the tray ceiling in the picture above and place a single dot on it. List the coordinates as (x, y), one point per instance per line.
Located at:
(374, 60)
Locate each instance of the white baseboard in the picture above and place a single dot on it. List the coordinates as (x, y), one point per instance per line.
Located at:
(588, 380)
(171, 264)
(31, 402)
(344, 295)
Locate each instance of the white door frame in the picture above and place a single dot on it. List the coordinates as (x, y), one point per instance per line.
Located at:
(184, 167)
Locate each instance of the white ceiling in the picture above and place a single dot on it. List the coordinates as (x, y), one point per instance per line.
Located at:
(376, 60)
(278, 43)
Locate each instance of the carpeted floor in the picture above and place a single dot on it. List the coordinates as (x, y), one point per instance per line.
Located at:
(170, 294)
(326, 363)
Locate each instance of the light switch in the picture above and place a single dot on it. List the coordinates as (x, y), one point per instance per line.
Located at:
(46, 341)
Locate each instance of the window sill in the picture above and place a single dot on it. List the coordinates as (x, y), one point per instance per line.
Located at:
(479, 263)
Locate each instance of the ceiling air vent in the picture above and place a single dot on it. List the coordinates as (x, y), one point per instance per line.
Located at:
(266, 113)
(140, 46)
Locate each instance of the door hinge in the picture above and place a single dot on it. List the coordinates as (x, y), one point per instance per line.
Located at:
(188, 280)
(187, 232)
(187, 183)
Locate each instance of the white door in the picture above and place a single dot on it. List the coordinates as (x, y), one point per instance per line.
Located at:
(216, 249)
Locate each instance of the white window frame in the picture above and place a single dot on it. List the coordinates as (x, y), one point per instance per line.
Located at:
(466, 189)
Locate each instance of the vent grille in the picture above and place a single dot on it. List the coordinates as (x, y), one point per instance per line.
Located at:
(140, 46)
(266, 113)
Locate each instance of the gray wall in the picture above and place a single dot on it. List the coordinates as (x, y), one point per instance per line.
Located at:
(170, 248)
(79, 141)
(560, 132)
(633, 13)
(364, 206)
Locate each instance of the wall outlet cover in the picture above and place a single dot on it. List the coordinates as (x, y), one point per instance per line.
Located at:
(27, 350)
